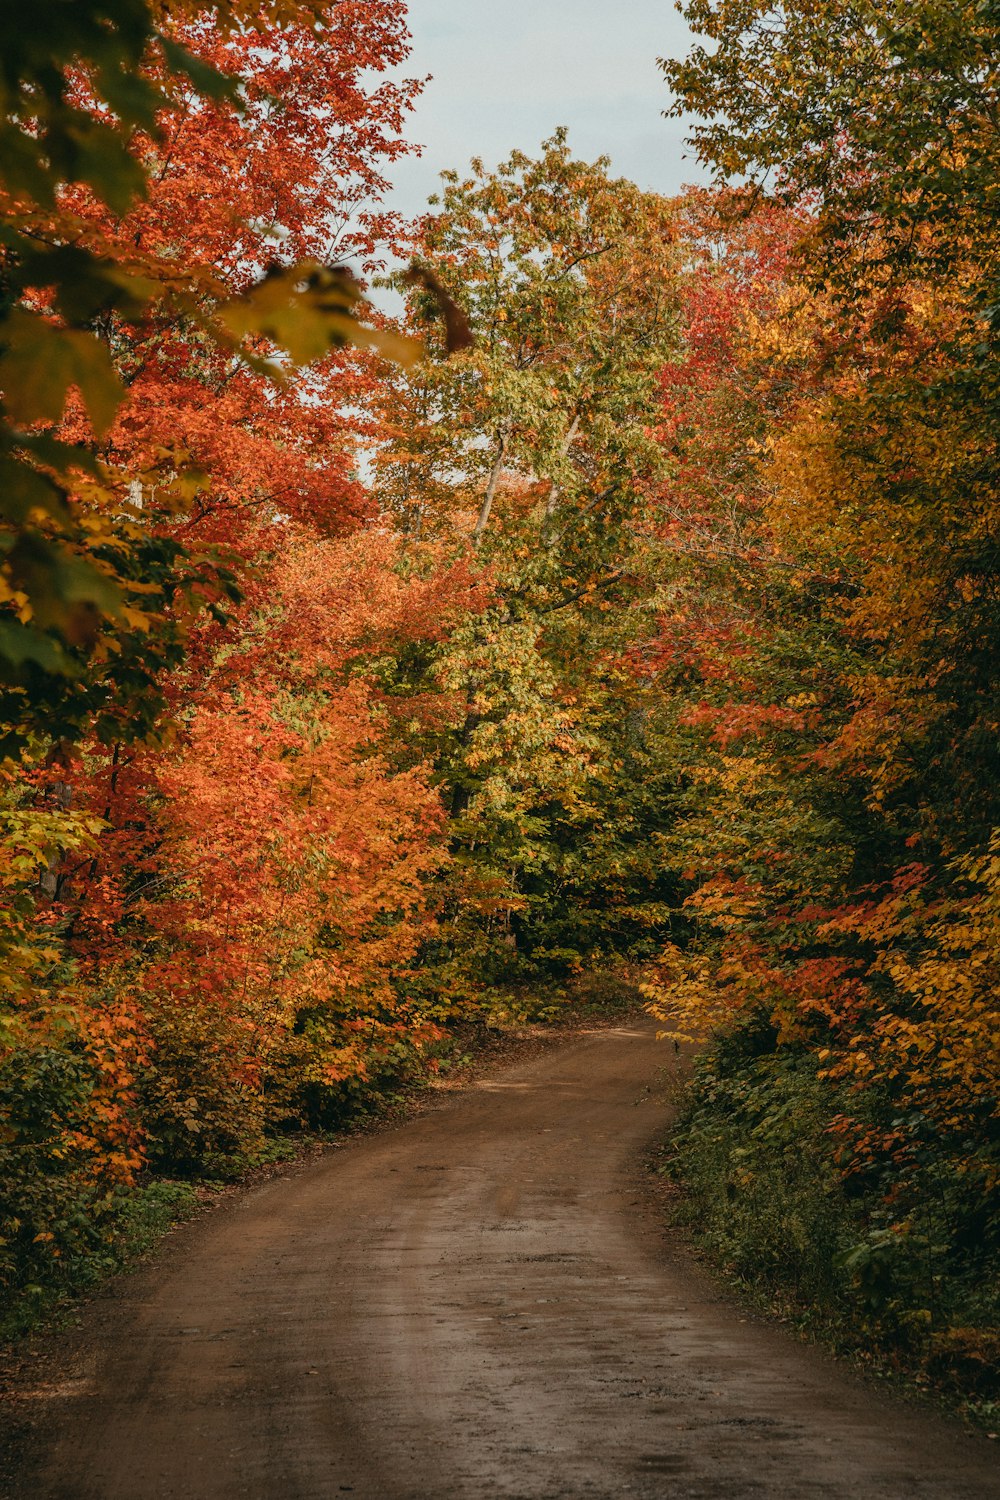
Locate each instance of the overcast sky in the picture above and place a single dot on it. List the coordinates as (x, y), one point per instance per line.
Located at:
(506, 73)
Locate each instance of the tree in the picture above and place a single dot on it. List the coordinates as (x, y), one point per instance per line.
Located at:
(881, 114)
(97, 98)
(535, 451)
(155, 438)
(830, 643)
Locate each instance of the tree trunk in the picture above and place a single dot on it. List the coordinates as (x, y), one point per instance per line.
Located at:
(491, 489)
(567, 443)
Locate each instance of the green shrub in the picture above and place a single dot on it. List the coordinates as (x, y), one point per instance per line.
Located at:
(54, 1209)
(891, 1263)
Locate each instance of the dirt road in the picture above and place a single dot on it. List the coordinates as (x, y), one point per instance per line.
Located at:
(478, 1304)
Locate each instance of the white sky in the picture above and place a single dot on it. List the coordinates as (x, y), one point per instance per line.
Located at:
(506, 73)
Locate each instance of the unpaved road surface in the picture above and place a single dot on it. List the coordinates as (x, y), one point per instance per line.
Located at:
(478, 1304)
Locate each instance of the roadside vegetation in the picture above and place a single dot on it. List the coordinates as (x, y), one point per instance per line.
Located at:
(834, 654)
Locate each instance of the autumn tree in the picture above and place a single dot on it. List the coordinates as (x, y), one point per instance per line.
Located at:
(838, 680)
(882, 114)
(153, 430)
(534, 450)
(94, 100)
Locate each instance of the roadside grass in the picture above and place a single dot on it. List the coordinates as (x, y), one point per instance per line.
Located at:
(129, 1228)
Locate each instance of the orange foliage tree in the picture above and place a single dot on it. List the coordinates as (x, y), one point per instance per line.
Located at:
(180, 838)
(829, 641)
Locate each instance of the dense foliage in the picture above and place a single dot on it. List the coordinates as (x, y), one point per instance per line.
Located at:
(647, 621)
(324, 770)
(175, 190)
(837, 435)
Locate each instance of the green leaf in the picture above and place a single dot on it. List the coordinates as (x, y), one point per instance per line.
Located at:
(84, 284)
(20, 644)
(23, 489)
(101, 159)
(206, 79)
(24, 172)
(133, 98)
(62, 457)
(66, 590)
(308, 309)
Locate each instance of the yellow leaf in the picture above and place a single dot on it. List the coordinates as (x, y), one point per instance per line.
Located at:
(41, 362)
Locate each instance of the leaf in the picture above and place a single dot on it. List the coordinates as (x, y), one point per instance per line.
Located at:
(40, 364)
(24, 490)
(20, 644)
(206, 79)
(458, 334)
(64, 588)
(308, 309)
(84, 283)
(25, 173)
(101, 159)
(133, 98)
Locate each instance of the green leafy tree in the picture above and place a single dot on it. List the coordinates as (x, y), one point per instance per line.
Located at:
(535, 449)
(882, 113)
(840, 669)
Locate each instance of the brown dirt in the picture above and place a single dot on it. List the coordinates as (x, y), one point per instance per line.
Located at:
(479, 1303)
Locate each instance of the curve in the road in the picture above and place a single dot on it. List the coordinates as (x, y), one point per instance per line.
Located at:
(477, 1304)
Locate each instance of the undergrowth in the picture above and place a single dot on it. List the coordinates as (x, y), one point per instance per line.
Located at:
(898, 1271)
(110, 1235)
